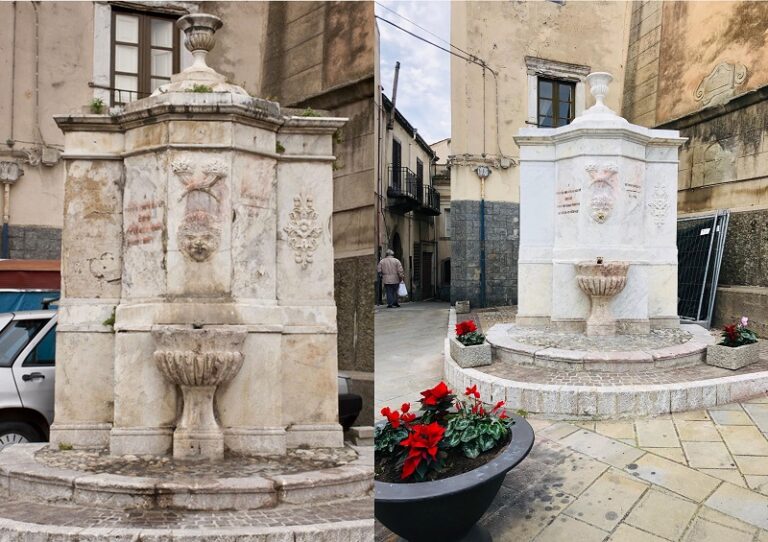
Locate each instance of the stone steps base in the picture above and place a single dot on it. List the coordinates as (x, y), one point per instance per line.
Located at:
(610, 401)
(23, 477)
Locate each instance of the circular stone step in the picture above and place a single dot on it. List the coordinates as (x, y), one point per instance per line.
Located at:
(544, 347)
(21, 521)
(573, 394)
(31, 472)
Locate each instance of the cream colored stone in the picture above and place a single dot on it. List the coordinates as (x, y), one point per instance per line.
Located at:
(656, 434)
(710, 514)
(617, 430)
(740, 503)
(607, 500)
(706, 531)
(626, 533)
(675, 454)
(663, 515)
(602, 448)
(670, 475)
(708, 455)
(730, 417)
(744, 440)
(757, 465)
(697, 430)
(729, 475)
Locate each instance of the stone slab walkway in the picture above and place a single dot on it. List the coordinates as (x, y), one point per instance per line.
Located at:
(409, 351)
(698, 476)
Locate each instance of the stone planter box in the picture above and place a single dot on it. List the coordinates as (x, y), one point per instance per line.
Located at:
(448, 510)
(729, 357)
(462, 307)
(470, 356)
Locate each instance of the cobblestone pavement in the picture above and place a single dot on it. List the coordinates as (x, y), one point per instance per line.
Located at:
(64, 515)
(698, 476)
(233, 466)
(543, 375)
(547, 337)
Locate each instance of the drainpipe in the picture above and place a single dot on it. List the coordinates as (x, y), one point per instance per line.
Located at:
(483, 172)
(10, 172)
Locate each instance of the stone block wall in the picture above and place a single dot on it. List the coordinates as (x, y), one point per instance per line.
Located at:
(502, 239)
(353, 292)
(34, 242)
(641, 82)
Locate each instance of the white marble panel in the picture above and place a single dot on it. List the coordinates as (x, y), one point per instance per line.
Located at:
(144, 226)
(254, 227)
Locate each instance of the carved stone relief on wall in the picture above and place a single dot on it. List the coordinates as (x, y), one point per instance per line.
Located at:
(199, 234)
(602, 190)
(720, 85)
(659, 205)
(303, 230)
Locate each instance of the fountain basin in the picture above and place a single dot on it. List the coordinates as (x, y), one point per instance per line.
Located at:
(198, 361)
(601, 281)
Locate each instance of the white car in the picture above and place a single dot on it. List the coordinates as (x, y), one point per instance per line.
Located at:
(27, 365)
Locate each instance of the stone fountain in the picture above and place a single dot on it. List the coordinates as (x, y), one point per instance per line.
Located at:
(601, 281)
(196, 345)
(596, 331)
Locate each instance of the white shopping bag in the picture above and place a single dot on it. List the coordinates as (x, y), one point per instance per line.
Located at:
(402, 291)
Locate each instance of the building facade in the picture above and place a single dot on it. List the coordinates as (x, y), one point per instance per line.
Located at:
(441, 180)
(408, 202)
(75, 57)
(697, 67)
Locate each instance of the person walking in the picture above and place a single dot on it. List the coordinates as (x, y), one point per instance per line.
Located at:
(391, 271)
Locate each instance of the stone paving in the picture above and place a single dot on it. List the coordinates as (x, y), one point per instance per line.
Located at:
(544, 375)
(233, 465)
(409, 351)
(698, 476)
(68, 515)
(549, 338)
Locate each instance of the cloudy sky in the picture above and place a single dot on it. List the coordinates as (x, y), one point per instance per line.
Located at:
(423, 91)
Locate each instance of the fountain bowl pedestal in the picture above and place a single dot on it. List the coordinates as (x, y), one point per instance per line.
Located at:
(601, 282)
(198, 361)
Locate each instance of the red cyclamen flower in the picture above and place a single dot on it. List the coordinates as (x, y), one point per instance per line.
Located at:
(422, 441)
(467, 326)
(393, 416)
(405, 407)
(473, 391)
(435, 395)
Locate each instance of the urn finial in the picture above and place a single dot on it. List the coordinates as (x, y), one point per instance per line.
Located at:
(199, 35)
(598, 86)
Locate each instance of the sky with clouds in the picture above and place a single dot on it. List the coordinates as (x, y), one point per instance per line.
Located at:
(424, 87)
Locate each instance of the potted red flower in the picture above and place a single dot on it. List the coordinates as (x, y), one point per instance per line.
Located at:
(446, 463)
(469, 348)
(738, 347)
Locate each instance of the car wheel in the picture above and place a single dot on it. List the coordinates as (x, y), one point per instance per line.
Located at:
(17, 433)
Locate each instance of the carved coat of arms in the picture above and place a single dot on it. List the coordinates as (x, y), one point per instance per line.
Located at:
(199, 234)
(602, 190)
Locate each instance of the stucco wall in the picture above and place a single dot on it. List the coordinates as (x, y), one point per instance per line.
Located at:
(503, 34)
(698, 36)
(63, 61)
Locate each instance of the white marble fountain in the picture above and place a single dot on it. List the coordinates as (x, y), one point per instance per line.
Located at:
(597, 332)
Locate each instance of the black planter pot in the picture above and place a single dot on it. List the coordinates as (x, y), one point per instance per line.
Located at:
(446, 510)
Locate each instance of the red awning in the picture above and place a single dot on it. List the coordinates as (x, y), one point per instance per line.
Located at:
(30, 274)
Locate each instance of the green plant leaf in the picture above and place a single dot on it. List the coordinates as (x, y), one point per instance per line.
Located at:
(470, 450)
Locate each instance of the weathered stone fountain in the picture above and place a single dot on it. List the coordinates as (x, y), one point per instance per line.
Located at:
(196, 345)
(597, 332)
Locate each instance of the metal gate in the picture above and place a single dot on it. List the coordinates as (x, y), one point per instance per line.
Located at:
(700, 244)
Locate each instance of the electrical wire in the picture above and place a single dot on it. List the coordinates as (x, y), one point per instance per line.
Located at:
(467, 57)
(424, 29)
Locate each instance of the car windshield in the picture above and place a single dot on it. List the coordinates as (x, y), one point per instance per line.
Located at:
(15, 337)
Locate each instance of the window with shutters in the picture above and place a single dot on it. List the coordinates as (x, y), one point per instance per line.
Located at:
(145, 52)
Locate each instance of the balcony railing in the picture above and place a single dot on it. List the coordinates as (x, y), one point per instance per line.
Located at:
(407, 192)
